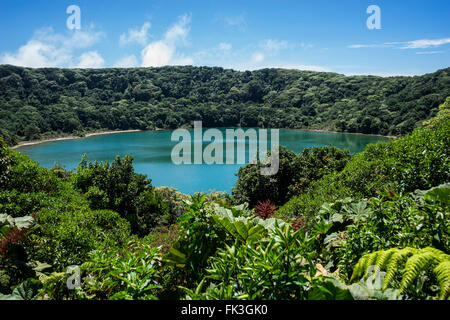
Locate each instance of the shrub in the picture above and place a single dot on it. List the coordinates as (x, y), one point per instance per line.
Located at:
(351, 228)
(117, 187)
(264, 209)
(295, 175)
(67, 233)
(277, 268)
(130, 273)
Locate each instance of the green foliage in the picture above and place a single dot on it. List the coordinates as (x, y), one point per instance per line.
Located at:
(442, 115)
(26, 176)
(27, 290)
(417, 161)
(277, 268)
(314, 163)
(13, 257)
(117, 187)
(241, 226)
(41, 103)
(242, 229)
(368, 288)
(348, 228)
(252, 186)
(412, 220)
(66, 239)
(198, 240)
(173, 199)
(372, 212)
(442, 272)
(130, 273)
(54, 286)
(7, 223)
(295, 174)
(18, 204)
(66, 228)
(413, 265)
(6, 161)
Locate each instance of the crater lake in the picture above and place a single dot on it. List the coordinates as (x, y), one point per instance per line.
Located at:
(152, 150)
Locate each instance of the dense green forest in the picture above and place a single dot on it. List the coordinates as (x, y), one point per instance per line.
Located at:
(43, 103)
(329, 225)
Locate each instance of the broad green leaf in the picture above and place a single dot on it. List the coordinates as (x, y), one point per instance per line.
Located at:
(440, 193)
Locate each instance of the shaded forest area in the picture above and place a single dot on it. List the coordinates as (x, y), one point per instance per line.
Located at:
(48, 102)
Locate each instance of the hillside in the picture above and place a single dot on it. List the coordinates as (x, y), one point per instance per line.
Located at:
(43, 103)
(386, 207)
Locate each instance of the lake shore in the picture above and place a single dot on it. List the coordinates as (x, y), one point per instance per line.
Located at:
(71, 137)
(357, 133)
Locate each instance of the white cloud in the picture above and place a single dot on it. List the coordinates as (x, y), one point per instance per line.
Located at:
(76, 39)
(237, 21)
(157, 54)
(82, 39)
(257, 65)
(49, 49)
(135, 35)
(127, 62)
(379, 74)
(284, 66)
(275, 45)
(415, 44)
(429, 52)
(36, 54)
(425, 43)
(225, 46)
(180, 30)
(164, 52)
(299, 67)
(91, 59)
(358, 46)
(257, 57)
(306, 45)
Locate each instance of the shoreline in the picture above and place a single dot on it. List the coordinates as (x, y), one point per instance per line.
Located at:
(92, 134)
(71, 137)
(356, 133)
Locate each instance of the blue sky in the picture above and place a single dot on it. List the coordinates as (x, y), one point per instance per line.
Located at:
(245, 35)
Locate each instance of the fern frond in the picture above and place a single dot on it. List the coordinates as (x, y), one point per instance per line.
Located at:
(442, 272)
(441, 256)
(410, 263)
(395, 263)
(384, 257)
(417, 263)
(360, 268)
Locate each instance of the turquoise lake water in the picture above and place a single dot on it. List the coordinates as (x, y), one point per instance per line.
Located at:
(152, 155)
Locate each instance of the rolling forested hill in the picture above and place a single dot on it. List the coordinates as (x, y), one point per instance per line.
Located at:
(39, 103)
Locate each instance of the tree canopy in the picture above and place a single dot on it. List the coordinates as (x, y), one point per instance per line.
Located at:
(40, 103)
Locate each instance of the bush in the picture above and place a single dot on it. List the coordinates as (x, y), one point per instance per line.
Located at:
(277, 268)
(130, 273)
(67, 233)
(117, 187)
(264, 209)
(295, 174)
(25, 175)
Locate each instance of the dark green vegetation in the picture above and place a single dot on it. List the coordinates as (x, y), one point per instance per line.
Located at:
(370, 226)
(294, 176)
(43, 103)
